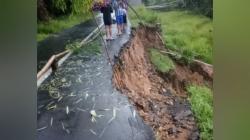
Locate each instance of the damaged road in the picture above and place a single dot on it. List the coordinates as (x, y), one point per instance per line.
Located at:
(160, 98)
(153, 105)
(84, 103)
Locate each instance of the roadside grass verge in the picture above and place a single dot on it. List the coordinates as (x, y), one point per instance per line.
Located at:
(162, 62)
(201, 100)
(183, 31)
(41, 36)
(44, 29)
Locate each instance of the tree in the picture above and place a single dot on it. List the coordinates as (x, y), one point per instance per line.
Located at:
(56, 8)
(205, 7)
(42, 12)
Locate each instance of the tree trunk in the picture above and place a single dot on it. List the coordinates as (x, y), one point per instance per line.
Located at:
(42, 12)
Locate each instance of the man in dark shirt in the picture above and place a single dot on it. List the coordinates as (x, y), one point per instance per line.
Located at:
(107, 10)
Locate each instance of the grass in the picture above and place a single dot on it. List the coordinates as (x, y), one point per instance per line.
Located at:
(201, 100)
(93, 47)
(45, 29)
(90, 48)
(188, 33)
(147, 16)
(41, 36)
(162, 62)
(183, 31)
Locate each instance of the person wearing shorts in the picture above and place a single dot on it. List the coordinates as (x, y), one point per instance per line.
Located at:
(124, 18)
(119, 19)
(107, 10)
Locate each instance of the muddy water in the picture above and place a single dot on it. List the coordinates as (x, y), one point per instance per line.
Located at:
(84, 83)
(56, 43)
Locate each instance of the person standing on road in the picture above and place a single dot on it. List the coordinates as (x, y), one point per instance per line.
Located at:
(125, 4)
(124, 17)
(116, 6)
(107, 10)
(119, 18)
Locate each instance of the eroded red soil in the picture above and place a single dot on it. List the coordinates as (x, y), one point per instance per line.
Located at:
(159, 98)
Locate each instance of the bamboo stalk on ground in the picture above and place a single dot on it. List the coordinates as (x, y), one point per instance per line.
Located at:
(207, 68)
(194, 60)
(51, 61)
(53, 58)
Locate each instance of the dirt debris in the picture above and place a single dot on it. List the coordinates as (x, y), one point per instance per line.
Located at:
(160, 98)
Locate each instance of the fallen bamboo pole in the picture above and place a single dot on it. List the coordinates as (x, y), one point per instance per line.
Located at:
(160, 38)
(207, 68)
(53, 58)
(194, 60)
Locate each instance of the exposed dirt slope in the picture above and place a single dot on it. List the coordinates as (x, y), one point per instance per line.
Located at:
(157, 96)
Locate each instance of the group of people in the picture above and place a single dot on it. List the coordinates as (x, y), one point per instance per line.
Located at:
(120, 7)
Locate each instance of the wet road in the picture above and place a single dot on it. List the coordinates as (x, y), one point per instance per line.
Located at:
(84, 83)
(56, 43)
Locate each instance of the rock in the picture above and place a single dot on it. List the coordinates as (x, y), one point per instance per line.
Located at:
(170, 102)
(153, 107)
(164, 90)
(194, 136)
(182, 114)
(172, 131)
(167, 92)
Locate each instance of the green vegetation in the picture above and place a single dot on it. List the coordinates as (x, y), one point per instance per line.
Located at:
(44, 29)
(204, 7)
(201, 100)
(188, 33)
(155, 2)
(57, 15)
(90, 48)
(47, 9)
(183, 31)
(162, 62)
(147, 16)
(41, 36)
(93, 48)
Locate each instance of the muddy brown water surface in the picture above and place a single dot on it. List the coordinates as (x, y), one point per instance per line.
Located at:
(160, 98)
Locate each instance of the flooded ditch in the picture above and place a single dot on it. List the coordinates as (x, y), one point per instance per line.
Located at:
(160, 98)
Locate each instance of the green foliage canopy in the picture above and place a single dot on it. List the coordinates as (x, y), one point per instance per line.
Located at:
(57, 8)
